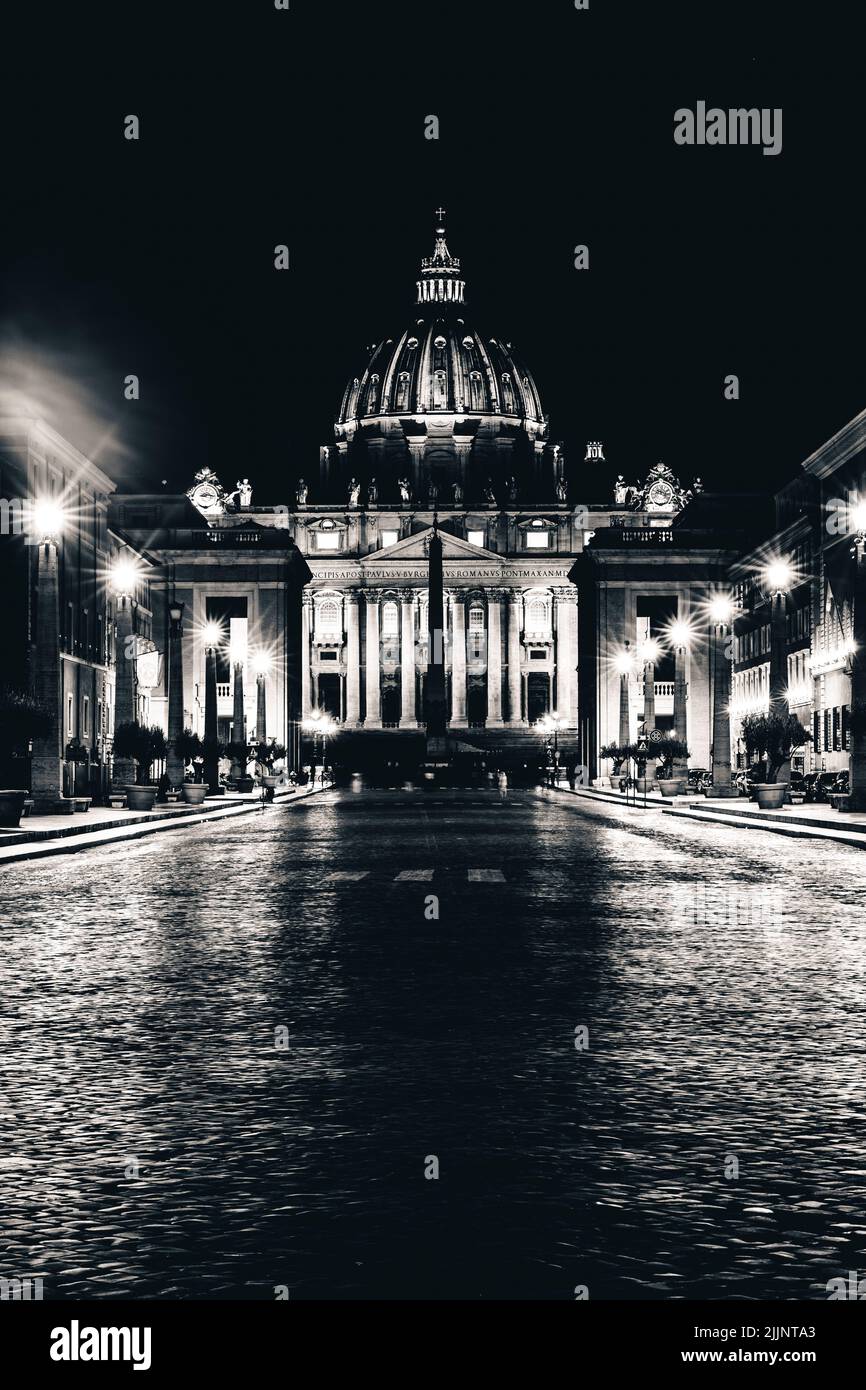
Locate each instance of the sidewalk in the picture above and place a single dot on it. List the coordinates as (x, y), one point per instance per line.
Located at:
(39, 836)
(813, 821)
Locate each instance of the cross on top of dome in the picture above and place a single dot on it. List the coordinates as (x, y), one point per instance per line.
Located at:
(440, 281)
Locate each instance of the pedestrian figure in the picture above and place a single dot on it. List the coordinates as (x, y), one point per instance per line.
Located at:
(503, 785)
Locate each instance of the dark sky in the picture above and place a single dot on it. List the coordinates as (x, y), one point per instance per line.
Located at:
(261, 127)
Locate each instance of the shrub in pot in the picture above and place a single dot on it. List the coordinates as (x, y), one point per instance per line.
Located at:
(240, 752)
(22, 718)
(266, 755)
(144, 745)
(669, 751)
(773, 737)
(189, 747)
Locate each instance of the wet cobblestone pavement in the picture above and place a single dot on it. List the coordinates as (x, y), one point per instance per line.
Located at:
(157, 1142)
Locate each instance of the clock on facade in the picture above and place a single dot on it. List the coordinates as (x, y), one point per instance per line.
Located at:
(661, 494)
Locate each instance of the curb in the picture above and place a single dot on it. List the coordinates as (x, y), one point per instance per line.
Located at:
(72, 841)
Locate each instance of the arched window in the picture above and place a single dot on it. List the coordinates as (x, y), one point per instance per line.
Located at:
(538, 616)
(475, 629)
(507, 394)
(390, 620)
(329, 621)
(372, 395)
(440, 391)
(476, 391)
(402, 396)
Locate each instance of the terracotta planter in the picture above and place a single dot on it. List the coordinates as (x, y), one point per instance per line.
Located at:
(140, 798)
(672, 786)
(770, 795)
(194, 793)
(11, 806)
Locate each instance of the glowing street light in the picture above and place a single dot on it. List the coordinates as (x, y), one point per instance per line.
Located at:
(212, 635)
(261, 664)
(778, 576)
(48, 519)
(649, 651)
(125, 576)
(680, 634)
(857, 518)
(721, 609)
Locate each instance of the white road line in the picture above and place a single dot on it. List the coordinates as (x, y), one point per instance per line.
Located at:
(414, 876)
(346, 876)
(486, 876)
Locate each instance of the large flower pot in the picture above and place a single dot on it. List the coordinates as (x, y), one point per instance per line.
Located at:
(11, 806)
(644, 784)
(770, 795)
(194, 793)
(140, 798)
(270, 780)
(244, 784)
(672, 786)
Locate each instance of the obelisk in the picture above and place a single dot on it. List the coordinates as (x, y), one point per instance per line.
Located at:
(434, 687)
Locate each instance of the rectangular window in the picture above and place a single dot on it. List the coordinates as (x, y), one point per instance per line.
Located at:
(328, 656)
(536, 540)
(816, 732)
(389, 538)
(70, 717)
(85, 718)
(827, 745)
(478, 538)
(846, 729)
(327, 540)
(837, 729)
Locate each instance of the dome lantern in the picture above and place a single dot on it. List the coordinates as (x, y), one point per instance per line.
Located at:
(440, 282)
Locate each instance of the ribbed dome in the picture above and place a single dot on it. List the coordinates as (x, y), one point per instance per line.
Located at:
(440, 365)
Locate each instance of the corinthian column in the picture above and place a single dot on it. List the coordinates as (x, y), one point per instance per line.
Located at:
(458, 661)
(353, 660)
(564, 600)
(515, 607)
(306, 627)
(494, 660)
(408, 719)
(373, 687)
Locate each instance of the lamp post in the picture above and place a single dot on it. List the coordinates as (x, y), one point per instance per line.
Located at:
(174, 765)
(857, 759)
(261, 666)
(624, 663)
(649, 654)
(777, 578)
(550, 725)
(319, 725)
(124, 576)
(46, 777)
(680, 634)
(212, 636)
(721, 612)
(239, 732)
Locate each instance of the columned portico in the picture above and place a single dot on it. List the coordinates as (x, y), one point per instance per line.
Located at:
(494, 660)
(408, 718)
(373, 687)
(515, 618)
(458, 660)
(353, 660)
(306, 636)
(566, 684)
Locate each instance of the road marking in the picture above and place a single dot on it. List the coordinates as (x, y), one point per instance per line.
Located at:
(486, 876)
(346, 876)
(414, 876)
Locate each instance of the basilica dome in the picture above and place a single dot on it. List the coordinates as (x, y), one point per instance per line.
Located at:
(440, 367)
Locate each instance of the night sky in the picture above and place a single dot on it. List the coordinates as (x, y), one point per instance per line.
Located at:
(261, 127)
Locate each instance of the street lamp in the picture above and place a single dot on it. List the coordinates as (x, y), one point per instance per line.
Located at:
(212, 636)
(320, 724)
(778, 577)
(261, 664)
(174, 765)
(123, 577)
(721, 613)
(48, 521)
(624, 663)
(680, 634)
(648, 654)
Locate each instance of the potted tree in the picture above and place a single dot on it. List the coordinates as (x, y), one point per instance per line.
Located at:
(773, 737)
(640, 754)
(240, 752)
(669, 751)
(618, 753)
(190, 748)
(266, 755)
(144, 745)
(22, 718)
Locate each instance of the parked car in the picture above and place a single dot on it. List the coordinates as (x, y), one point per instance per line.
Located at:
(818, 785)
(842, 785)
(699, 779)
